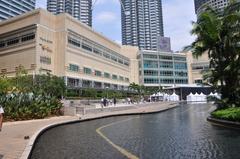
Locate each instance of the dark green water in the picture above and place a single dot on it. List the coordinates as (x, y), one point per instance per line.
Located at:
(180, 133)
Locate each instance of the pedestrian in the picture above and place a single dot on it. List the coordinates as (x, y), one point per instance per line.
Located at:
(102, 102)
(105, 102)
(114, 101)
(1, 117)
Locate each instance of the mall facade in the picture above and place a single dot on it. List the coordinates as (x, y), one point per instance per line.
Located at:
(162, 69)
(61, 45)
(42, 42)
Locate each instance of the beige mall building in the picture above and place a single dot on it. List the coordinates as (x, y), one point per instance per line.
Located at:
(42, 42)
(196, 67)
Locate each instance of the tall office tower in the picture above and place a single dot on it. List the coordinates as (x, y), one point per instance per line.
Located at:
(217, 4)
(11, 8)
(79, 9)
(142, 23)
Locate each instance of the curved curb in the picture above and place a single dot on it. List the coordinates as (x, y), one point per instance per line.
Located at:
(33, 139)
(224, 123)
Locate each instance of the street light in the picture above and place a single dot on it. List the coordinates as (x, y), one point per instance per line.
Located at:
(107, 91)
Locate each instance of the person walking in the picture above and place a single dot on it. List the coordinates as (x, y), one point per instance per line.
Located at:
(1, 117)
(114, 101)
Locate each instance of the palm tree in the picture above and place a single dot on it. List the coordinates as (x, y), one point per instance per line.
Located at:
(218, 34)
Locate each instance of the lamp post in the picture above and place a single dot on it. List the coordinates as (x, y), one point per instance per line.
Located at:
(107, 91)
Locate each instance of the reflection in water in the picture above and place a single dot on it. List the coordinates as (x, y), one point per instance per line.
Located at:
(179, 133)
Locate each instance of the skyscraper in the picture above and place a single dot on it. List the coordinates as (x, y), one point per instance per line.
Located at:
(11, 8)
(79, 9)
(142, 23)
(217, 4)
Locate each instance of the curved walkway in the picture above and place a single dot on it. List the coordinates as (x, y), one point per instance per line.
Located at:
(12, 142)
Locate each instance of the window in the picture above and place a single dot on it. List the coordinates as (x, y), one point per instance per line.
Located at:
(73, 67)
(121, 78)
(151, 80)
(150, 73)
(114, 58)
(181, 74)
(97, 51)
(165, 57)
(181, 81)
(180, 66)
(115, 77)
(164, 64)
(12, 41)
(106, 55)
(87, 70)
(98, 73)
(166, 73)
(180, 58)
(28, 37)
(126, 63)
(106, 75)
(166, 81)
(86, 47)
(45, 60)
(120, 61)
(2, 44)
(150, 64)
(127, 79)
(150, 56)
(199, 81)
(74, 42)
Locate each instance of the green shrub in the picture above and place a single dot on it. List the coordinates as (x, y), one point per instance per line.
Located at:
(232, 114)
(24, 97)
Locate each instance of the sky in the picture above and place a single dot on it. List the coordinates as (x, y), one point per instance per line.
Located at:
(177, 17)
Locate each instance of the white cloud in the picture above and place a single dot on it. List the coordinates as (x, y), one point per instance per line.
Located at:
(177, 22)
(106, 17)
(101, 2)
(41, 4)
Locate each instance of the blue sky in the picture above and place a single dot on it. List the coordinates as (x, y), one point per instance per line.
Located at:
(177, 17)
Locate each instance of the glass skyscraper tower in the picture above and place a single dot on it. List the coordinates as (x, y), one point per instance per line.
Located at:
(216, 4)
(142, 23)
(79, 9)
(11, 8)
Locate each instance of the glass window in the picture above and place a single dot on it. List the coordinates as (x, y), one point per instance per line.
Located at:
(13, 41)
(164, 64)
(165, 57)
(181, 74)
(86, 47)
(166, 73)
(87, 70)
(97, 51)
(73, 67)
(166, 81)
(115, 77)
(150, 73)
(127, 79)
(150, 64)
(98, 73)
(121, 78)
(180, 58)
(150, 56)
(2, 44)
(106, 75)
(180, 66)
(28, 37)
(45, 60)
(181, 81)
(74, 42)
(151, 80)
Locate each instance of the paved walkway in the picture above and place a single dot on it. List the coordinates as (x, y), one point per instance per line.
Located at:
(13, 144)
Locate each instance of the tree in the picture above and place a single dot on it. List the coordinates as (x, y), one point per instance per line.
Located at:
(218, 34)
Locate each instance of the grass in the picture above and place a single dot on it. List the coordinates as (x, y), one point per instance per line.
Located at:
(231, 114)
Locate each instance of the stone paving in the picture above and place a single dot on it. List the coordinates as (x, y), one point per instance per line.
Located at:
(13, 144)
